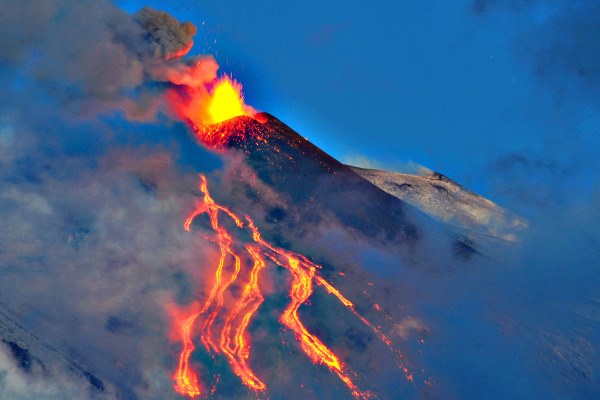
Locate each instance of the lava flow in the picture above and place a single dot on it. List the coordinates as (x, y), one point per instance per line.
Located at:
(220, 327)
(186, 379)
(249, 260)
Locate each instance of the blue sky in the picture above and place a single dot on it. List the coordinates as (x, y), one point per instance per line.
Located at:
(433, 82)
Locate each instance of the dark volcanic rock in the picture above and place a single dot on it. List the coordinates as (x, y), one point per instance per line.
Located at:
(316, 186)
(20, 354)
(306, 176)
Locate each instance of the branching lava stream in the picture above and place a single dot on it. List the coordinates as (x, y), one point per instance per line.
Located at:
(233, 341)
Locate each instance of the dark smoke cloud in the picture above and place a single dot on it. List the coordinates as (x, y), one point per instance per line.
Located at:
(91, 243)
(92, 54)
(166, 35)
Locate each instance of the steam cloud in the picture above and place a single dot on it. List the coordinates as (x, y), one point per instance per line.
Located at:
(77, 76)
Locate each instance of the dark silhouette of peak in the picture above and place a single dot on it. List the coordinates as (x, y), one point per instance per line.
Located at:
(316, 185)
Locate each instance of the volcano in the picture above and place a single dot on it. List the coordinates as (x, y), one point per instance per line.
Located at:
(270, 224)
(317, 185)
(312, 190)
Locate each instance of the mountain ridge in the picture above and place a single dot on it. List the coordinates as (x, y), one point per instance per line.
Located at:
(283, 159)
(449, 202)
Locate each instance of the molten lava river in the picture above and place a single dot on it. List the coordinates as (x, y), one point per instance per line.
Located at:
(222, 330)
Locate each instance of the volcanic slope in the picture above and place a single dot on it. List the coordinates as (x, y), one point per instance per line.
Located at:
(447, 201)
(314, 185)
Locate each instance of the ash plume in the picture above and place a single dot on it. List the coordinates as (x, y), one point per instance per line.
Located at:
(93, 57)
(165, 34)
(82, 112)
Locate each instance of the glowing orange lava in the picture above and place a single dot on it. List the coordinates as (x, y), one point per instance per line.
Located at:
(235, 260)
(186, 380)
(206, 106)
(227, 101)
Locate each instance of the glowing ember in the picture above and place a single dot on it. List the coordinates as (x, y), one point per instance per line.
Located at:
(248, 260)
(226, 101)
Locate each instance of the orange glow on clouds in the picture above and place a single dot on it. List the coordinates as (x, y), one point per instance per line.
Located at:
(205, 104)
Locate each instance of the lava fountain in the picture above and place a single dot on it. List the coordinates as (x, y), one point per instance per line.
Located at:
(204, 108)
(227, 101)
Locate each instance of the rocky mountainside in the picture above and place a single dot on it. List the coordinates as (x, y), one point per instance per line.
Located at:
(449, 202)
(316, 186)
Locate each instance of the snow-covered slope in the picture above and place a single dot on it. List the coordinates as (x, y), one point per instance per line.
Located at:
(447, 201)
